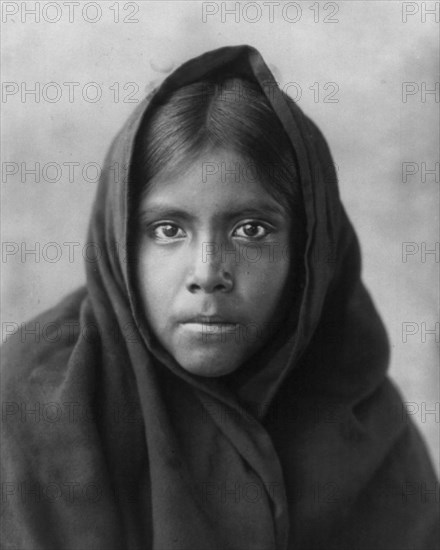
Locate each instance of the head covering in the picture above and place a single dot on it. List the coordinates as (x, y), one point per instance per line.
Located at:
(109, 444)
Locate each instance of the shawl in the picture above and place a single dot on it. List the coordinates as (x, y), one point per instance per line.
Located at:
(108, 444)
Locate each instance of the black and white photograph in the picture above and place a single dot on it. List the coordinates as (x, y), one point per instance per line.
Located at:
(220, 275)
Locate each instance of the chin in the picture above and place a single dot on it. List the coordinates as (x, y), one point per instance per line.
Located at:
(209, 363)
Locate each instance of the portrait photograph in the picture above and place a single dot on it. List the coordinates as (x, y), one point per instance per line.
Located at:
(220, 275)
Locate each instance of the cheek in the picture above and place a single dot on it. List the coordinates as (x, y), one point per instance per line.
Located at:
(262, 282)
(158, 280)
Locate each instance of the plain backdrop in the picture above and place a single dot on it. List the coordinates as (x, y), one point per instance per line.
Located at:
(377, 59)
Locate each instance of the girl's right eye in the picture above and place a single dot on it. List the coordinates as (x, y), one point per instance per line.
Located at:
(167, 232)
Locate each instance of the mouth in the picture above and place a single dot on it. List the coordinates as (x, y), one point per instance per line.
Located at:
(213, 324)
(209, 320)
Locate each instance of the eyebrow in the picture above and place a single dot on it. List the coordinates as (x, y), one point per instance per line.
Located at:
(256, 210)
(164, 212)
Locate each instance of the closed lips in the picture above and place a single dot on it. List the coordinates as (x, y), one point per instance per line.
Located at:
(214, 320)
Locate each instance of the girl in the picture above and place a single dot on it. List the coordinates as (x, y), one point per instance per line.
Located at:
(220, 382)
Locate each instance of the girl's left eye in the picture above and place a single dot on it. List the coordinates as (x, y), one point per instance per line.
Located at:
(251, 231)
(168, 231)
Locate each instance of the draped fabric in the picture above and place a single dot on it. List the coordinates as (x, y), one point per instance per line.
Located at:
(109, 444)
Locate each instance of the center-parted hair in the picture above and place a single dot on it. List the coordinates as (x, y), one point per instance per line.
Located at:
(231, 114)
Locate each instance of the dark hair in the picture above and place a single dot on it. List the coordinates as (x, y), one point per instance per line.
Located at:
(232, 114)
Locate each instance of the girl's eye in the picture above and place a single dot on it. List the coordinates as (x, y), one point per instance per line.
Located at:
(251, 231)
(168, 231)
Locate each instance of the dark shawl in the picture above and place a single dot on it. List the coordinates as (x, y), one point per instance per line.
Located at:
(125, 450)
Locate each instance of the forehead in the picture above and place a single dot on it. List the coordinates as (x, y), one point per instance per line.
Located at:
(218, 179)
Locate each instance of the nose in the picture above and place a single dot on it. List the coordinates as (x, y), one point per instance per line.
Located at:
(209, 274)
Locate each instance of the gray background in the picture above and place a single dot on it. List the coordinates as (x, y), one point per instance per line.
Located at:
(369, 53)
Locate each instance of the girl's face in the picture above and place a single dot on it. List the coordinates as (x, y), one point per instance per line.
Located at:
(212, 263)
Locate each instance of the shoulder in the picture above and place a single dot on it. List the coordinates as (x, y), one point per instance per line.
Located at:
(35, 353)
